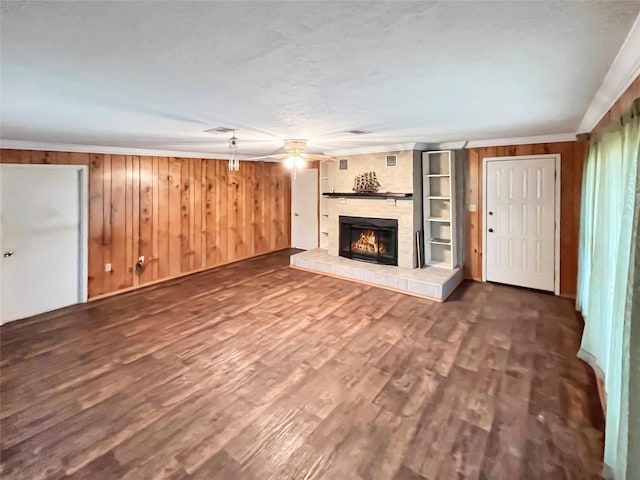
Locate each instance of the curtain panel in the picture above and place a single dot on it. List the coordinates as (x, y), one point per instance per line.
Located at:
(607, 277)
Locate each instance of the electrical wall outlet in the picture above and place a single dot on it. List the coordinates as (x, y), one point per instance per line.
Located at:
(107, 267)
(473, 207)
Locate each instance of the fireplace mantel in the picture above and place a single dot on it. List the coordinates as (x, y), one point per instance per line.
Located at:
(397, 196)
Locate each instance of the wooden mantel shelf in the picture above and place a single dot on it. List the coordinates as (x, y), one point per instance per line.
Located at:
(399, 196)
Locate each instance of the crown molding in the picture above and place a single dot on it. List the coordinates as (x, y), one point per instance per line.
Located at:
(457, 145)
(497, 142)
(71, 147)
(396, 147)
(623, 71)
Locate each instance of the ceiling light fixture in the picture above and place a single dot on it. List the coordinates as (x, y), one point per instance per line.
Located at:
(295, 161)
(234, 162)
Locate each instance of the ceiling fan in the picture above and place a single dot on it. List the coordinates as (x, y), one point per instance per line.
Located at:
(295, 155)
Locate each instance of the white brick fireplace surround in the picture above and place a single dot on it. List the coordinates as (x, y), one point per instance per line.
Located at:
(396, 209)
(406, 177)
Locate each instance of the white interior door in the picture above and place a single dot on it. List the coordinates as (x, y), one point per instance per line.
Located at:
(304, 209)
(41, 267)
(519, 222)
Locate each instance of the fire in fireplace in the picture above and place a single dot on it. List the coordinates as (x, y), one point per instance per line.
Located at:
(369, 239)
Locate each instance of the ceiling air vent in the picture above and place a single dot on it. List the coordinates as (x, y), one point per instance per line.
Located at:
(357, 132)
(391, 160)
(221, 130)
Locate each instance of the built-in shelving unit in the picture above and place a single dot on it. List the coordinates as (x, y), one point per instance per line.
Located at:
(438, 170)
(324, 205)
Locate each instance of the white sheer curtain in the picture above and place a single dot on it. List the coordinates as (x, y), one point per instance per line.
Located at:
(608, 242)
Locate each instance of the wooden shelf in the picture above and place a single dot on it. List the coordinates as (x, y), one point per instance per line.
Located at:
(436, 263)
(440, 241)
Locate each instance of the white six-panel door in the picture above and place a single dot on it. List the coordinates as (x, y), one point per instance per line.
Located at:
(520, 222)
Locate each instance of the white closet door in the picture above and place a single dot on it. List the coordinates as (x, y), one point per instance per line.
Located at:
(519, 222)
(304, 209)
(39, 240)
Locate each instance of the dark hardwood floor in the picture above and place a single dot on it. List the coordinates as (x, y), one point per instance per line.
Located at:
(259, 371)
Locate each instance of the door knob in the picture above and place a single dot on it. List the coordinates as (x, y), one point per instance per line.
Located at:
(490, 213)
(491, 230)
(8, 254)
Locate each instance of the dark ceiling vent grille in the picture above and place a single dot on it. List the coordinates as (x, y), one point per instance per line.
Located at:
(220, 130)
(358, 132)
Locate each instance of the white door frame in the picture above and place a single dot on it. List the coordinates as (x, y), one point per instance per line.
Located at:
(485, 162)
(83, 233)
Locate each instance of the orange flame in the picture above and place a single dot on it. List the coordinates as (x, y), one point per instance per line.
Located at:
(367, 243)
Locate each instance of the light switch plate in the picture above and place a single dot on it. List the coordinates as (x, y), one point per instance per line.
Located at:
(107, 267)
(473, 207)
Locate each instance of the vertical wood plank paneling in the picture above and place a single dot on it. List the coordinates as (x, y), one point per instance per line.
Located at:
(223, 215)
(232, 216)
(241, 250)
(471, 180)
(9, 156)
(181, 214)
(96, 211)
(250, 205)
(135, 196)
(155, 182)
(106, 220)
(129, 227)
(184, 216)
(211, 198)
(146, 219)
(118, 275)
(163, 217)
(619, 108)
(196, 208)
(175, 216)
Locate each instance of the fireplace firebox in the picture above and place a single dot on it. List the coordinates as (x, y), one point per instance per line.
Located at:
(370, 239)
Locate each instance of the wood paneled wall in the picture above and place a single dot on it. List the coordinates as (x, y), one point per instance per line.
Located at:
(620, 107)
(181, 214)
(572, 161)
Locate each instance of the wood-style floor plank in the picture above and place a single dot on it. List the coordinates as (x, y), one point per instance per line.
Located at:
(258, 371)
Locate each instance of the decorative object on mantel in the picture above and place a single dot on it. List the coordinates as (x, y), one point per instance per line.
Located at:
(366, 182)
(234, 162)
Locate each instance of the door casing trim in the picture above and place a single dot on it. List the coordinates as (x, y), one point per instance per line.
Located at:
(558, 174)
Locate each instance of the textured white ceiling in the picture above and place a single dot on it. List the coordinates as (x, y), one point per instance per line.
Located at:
(156, 74)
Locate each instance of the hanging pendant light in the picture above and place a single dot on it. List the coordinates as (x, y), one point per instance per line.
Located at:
(234, 161)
